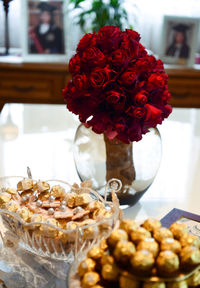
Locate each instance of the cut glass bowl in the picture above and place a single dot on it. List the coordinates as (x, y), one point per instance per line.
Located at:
(56, 242)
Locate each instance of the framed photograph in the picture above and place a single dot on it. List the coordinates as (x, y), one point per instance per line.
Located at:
(179, 41)
(192, 220)
(43, 26)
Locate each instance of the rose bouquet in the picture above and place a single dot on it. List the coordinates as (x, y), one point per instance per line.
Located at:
(119, 90)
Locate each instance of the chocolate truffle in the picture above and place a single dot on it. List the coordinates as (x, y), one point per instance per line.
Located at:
(116, 236)
(139, 234)
(188, 240)
(151, 224)
(190, 256)
(167, 262)
(162, 233)
(149, 244)
(85, 266)
(170, 244)
(110, 272)
(142, 261)
(90, 279)
(178, 229)
(124, 250)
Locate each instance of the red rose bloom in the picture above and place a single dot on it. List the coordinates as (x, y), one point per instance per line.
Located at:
(108, 38)
(93, 57)
(115, 81)
(128, 78)
(80, 81)
(75, 65)
(88, 40)
(141, 98)
(99, 77)
(119, 58)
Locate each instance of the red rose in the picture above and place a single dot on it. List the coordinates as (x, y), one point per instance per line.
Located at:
(138, 112)
(130, 42)
(94, 57)
(153, 116)
(80, 81)
(88, 40)
(141, 98)
(128, 78)
(133, 35)
(112, 96)
(108, 38)
(75, 65)
(166, 96)
(99, 77)
(119, 58)
(116, 98)
(69, 90)
(157, 81)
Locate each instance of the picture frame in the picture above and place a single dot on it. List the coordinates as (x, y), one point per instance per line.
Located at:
(192, 220)
(179, 40)
(44, 25)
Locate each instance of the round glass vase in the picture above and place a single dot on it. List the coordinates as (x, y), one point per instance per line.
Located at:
(136, 164)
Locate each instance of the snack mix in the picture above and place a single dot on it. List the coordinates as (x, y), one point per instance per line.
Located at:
(143, 256)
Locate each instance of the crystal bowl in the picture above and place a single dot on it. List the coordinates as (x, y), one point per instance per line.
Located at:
(53, 241)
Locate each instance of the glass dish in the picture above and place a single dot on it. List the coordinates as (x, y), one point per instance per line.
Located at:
(66, 243)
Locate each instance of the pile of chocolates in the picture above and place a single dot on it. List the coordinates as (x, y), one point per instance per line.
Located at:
(144, 256)
(38, 202)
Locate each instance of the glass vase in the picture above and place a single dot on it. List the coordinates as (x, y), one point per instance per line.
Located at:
(136, 164)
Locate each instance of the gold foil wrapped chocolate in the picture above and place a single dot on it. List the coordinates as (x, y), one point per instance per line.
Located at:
(139, 234)
(103, 244)
(12, 206)
(11, 191)
(162, 233)
(124, 250)
(41, 186)
(167, 262)
(178, 229)
(188, 240)
(142, 261)
(194, 280)
(127, 281)
(177, 284)
(95, 205)
(4, 198)
(154, 285)
(83, 199)
(85, 266)
(116, 236)
(58, 191)
(25, 214)
(70, 199)
(50, 231)
(90, 279)
(95, 253)
(110, 272)
(149, 244)
(190, 256)
(170, 244)
(26, 184)
(128, 225)
(152, 224)
(107, 259)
